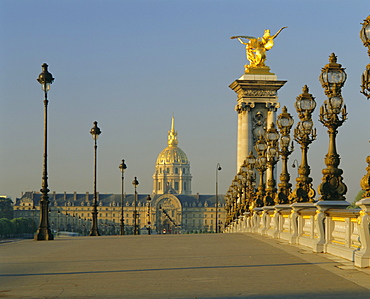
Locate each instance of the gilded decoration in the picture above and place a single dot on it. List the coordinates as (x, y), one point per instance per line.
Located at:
(256, 49)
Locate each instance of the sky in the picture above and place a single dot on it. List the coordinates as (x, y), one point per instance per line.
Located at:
(131, 65)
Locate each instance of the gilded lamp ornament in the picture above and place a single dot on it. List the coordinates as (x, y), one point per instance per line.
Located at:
(272, 155)
(304, 134)
(285, 122)
(261, 167)
(365, 37)
(365, 89)
(332, 79)
(250, 181)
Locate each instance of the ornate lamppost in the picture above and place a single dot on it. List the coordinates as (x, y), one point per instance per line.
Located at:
(365, 37)
(242, 176)
(304, 134)
(44, 232)
(284, 123)
(122, 168)
(135, 182)
(332, 79)
(218, 168)
(251, 180)
(95, 132)
(272, 155)
(365, 89)
(228, 207)
(261, 161)
(148, 200)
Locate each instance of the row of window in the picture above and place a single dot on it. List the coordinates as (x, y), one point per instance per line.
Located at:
(176, 170)
(176, 186)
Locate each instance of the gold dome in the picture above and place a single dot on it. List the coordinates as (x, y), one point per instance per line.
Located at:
(172, 154)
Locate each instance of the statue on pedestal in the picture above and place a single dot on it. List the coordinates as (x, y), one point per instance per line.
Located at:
(256, 48)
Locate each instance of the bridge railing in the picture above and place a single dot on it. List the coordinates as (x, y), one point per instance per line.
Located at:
(323, 228)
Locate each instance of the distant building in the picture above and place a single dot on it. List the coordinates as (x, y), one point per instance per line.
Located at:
(173, 208)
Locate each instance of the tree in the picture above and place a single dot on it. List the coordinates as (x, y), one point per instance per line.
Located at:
(357, 198)
(24, 225)
(6, 208)
(7, 227)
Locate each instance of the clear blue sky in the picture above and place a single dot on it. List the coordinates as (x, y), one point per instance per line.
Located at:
(131, 64)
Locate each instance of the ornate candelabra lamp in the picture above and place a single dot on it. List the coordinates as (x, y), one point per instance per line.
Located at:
(272, 155)
(365, 89)
(251, 181)
(261, 162)
(304, 134)
(365, 37)
(242, 178)
(227, 207)
(237, 192)
(285, 123)
(332, 79)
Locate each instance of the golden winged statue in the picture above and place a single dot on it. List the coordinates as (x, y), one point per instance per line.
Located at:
(256, 47)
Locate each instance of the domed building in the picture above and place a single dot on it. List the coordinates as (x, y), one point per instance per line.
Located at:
(171, 208)
(172, 168)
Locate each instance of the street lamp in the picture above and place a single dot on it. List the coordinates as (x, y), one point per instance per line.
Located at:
(285, 123)
(365, 37)
(261, 161)
(44, 232)
(272, 155)
(122, 167)
(304, 134)
(251, 181)
(332, 79)
(95, 132)
(135, 182)
(218, 168)
(148, 200)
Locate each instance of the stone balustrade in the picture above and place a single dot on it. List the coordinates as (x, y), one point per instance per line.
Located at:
(326, 227)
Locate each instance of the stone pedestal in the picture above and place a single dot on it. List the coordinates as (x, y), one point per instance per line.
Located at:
(362, 257)
(257, 102)
(323, 206)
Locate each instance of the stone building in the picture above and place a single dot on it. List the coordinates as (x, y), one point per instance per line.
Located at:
(172, 208)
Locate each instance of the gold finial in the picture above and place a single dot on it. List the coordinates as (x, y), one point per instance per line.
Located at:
(172, 134)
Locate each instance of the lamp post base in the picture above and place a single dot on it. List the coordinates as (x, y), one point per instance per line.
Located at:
(94, 232)
(43, 234)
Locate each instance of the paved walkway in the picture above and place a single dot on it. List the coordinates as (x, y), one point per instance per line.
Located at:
(174, 266)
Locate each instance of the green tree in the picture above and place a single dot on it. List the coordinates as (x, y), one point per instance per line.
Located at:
(7, 227)
(6, 208)
(357, 198)
(24, 225)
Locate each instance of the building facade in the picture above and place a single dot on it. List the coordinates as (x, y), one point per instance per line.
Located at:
(171, 209)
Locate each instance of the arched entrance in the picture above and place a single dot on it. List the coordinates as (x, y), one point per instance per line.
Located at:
(168, 216)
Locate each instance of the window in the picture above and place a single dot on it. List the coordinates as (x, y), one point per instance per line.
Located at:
(176, 185)
(176, 170)
(159, 185)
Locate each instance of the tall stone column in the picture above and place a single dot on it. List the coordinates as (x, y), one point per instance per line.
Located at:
(257, 102)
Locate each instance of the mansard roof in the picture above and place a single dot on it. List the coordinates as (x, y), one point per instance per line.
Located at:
(86, 199)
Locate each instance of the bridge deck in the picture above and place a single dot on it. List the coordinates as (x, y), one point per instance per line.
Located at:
(173, 266)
